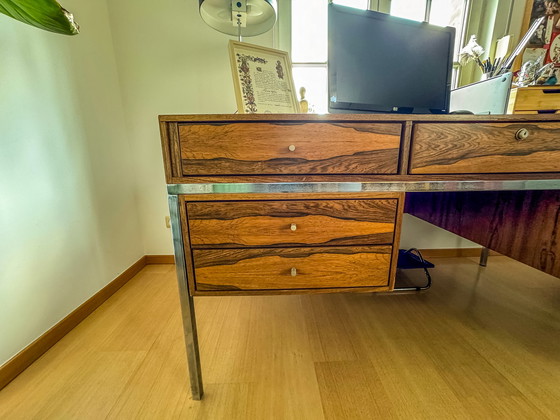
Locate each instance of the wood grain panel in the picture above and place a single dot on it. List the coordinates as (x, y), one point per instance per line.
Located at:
(271, 268)
(270, 223)
(534, 98)
(396, 241)
(405, 148)
(310, 291)
(550, 112)
(523, 225)
(165, 149)
(264, 148)
(274, 196)
(485, 148)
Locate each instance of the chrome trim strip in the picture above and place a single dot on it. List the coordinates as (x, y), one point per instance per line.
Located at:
(381, 186)
(187, 303)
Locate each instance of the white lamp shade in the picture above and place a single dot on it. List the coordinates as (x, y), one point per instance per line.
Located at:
(261, 16)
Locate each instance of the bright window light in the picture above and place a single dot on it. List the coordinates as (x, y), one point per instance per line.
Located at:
(358, 4)
(409, 9)
(309, 31)
(449, 13)
(314, 79)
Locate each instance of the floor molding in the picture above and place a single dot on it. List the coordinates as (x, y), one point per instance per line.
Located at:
(160, 259)
(36, 349)
(453, 252)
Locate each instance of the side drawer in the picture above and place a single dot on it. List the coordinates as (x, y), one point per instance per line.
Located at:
(274, 148)
(454, 148)
(234, 224)
(291, 268)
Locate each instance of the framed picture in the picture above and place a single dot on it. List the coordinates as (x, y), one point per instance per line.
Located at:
(538, 8)
(262, 78)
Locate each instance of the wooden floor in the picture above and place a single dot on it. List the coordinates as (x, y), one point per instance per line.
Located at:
(482, 343)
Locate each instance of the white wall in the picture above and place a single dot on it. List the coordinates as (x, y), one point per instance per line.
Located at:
(68, 214)
(417, 233)
(170, 62)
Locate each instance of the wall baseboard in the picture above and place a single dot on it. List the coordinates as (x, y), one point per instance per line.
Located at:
(22, 360)
(453, 252)
(160, 259)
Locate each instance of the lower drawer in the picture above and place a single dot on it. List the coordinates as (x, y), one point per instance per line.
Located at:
(292, 268)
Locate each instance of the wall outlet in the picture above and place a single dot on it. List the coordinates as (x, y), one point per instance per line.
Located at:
(167, 222)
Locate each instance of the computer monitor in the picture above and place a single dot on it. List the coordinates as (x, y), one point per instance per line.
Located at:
(486, 97)
(381, 63)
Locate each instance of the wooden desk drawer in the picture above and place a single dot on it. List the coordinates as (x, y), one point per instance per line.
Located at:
(291, 268)
(484, 148)
(275, 148)
(291, 223)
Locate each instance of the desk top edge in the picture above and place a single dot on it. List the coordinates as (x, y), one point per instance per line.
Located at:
(399, 118)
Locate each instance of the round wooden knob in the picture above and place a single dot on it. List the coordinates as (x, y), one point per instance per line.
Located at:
(293, 272)
(293, 227)
(292, 148)
(522, 134)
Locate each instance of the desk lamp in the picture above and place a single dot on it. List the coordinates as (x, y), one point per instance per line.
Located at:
(239, 17)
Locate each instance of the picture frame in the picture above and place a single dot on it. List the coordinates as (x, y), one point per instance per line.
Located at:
(262, 79)
(535, 9)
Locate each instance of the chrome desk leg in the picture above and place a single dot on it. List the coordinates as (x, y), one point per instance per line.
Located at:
(187, 304)
(483, 257)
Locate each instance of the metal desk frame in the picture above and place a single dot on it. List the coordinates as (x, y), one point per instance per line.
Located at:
(174, 190)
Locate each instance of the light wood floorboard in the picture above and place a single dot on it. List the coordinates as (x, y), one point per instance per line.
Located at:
(482, 343)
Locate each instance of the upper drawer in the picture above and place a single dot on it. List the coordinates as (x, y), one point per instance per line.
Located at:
(291, 223)
(485, 148)
(276, 148)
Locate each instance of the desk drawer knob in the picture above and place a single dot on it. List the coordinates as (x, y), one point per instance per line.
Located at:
(293, 272)
(292, 148)
(293, 227)
(522, 134)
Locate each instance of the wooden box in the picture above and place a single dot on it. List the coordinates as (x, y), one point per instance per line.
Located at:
(534, 100)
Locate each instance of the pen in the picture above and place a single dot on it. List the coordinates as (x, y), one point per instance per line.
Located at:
(498, 60)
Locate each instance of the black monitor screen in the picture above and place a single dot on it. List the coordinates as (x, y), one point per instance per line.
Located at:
(381, 63)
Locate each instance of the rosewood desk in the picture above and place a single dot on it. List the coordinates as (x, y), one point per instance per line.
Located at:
(277, 204)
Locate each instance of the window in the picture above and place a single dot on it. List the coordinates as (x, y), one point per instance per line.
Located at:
(309, 36)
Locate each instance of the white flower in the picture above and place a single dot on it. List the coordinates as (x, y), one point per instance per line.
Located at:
(470, 52)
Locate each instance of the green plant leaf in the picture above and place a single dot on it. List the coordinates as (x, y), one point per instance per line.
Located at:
(44, 14)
